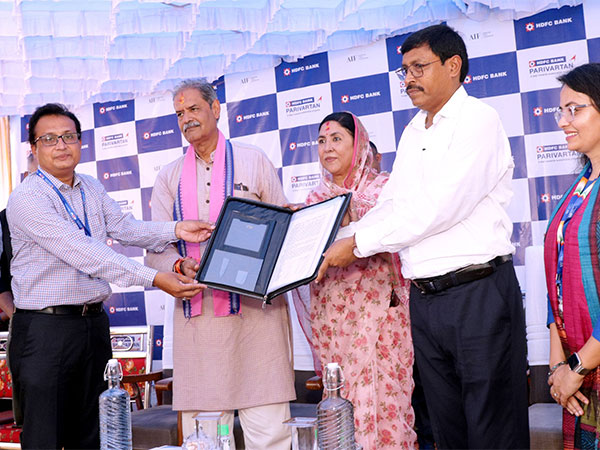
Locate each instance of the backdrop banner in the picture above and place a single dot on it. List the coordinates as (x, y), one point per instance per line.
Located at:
(513, 67)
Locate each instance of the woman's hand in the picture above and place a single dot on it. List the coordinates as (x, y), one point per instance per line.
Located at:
(564, 388)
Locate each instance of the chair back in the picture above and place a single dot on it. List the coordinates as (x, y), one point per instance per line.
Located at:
(132, 346)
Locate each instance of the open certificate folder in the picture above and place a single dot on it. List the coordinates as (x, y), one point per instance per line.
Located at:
(262, 250)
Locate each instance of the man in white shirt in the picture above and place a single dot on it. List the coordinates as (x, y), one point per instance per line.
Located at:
(444, 211)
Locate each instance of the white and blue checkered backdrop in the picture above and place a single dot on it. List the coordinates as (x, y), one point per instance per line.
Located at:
(513, 67)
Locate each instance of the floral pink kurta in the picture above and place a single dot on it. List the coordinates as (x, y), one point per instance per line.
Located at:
(354, 325)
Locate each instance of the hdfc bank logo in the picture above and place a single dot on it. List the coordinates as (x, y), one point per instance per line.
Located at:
(545, 198)
(239, 118)
(468, 79)
(539, 149)
(529, 26)
(106, 175)
(27, 126)
(292, 146)
(345, 99)
(158, 342)
(293, 179)
(146, 135)
(532, 63)
(286, 71)
(537, 111)
(102, 110)
(112, 310)
(399, 50)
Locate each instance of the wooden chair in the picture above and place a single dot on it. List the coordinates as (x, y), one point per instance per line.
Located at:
(152, 425)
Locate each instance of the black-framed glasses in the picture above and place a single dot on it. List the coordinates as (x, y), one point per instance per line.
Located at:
(415, 69)
(50, 140)
(569, 112)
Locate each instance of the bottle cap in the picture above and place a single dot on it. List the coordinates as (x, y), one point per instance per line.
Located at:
(223, 430)
(113, 369)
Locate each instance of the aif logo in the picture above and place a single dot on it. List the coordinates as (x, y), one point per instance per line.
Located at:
(239, 118)
(292, 146)
(345, 99)
(286, 71)
(537, 111)
(146, 135)
(529, 26)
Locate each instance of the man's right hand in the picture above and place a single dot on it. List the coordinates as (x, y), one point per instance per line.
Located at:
(177, 285)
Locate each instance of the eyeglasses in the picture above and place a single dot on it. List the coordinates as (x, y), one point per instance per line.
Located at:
(50, 140)
(569, 112)
(415, 69)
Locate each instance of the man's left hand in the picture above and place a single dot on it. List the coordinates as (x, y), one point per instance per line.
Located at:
(193, 230)
(340, 254)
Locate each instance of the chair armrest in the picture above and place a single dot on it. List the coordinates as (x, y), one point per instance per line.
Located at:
(314, 383)
(135, 379)
(163, 385)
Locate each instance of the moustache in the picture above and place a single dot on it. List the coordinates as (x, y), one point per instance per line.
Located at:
(193, 123)
(414, 87)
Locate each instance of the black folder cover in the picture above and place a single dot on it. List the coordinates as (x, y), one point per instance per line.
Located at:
(243, 250)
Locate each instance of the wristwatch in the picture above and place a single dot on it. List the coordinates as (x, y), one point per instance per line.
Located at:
(575, 364)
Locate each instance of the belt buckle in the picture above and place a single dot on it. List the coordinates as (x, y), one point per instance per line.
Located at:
(426, 287)
(84, 310)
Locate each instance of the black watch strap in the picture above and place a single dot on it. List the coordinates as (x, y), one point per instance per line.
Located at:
(575, 364)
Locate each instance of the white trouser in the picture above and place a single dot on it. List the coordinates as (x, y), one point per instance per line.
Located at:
(262, 426)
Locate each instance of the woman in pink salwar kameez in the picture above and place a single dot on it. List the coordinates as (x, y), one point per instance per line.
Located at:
(359, 314)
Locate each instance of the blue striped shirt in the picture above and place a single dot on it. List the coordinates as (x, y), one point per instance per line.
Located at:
(55, 263)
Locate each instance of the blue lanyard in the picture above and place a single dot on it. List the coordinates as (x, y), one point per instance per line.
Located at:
(70, 210)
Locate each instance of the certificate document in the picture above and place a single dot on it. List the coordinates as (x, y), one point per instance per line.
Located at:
(263, 250)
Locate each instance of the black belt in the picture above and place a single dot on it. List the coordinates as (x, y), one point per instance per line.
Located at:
(460, 276)
(89, 309)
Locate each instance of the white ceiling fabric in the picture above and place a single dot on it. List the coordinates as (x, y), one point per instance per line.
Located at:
(78, 52)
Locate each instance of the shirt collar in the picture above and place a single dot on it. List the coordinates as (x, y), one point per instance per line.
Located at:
(450, 109)
(212, 157)
(56, 182)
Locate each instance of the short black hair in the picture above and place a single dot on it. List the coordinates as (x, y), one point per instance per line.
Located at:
(345, 119)
(584, 79)
(443, 41)
(51, 109)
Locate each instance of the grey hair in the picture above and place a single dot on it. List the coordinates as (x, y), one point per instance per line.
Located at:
(201, 85)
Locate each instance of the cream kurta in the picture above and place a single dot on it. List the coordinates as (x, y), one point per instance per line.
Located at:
(233, 362)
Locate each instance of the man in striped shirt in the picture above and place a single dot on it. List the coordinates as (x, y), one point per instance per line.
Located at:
(60, 221)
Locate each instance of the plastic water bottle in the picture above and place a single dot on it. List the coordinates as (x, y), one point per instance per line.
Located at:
(335, 415)
(224, 439)
(115, 415)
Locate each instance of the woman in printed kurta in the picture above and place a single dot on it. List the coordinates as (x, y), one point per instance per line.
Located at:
(359, 314)
(573, 266)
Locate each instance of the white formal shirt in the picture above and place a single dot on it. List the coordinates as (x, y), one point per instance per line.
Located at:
(444, 206)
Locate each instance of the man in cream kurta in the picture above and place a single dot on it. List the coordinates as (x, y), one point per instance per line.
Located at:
(237, 362)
